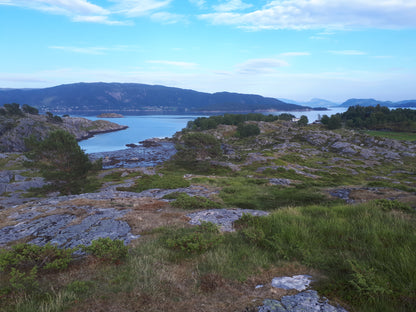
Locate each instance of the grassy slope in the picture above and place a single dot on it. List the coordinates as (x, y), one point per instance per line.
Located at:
(362, 255)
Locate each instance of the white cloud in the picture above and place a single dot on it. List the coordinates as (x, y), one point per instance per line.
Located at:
(322, 14)
(95, 50)
(295, 54)
(64, 7)
(173, 63)
(86, 50)
(135, 8)
(348, 52)
(85, 11)
(198, 3)
(167, 18)
(260, 66)
(232, 5)
(100, 19)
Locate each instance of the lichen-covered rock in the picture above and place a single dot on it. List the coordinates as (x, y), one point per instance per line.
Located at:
(224, 218)
(298, 282)
(305, 301)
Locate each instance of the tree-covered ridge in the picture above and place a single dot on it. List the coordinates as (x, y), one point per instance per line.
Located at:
(206, 123)
(133, 98)
(373, 118)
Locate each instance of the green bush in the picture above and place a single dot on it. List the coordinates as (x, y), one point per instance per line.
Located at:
(22, 281)
(107, 249)
(47, 257)
(388, 205)
(79, 287)
(247, 130)
(197, 146)
(61, 161)
(194, 240)
(23, 263)
(147, 182)
(185, 201)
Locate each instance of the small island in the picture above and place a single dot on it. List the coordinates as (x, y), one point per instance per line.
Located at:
(110, 115)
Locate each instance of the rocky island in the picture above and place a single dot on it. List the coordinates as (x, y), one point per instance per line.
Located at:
(110, 115)
(16, 125)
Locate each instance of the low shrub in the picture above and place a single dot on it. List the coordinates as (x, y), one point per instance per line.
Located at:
(247, 130)
(388, 205)
(185, 201)
(107, 249)
(47, 257)
(23, 263)
(194, 240)
(147, 182)
(79, 287)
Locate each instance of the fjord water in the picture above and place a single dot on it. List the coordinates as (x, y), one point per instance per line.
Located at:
(160, 126)
(139, 128)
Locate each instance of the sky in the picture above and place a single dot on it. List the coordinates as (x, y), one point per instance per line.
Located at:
(292, 49)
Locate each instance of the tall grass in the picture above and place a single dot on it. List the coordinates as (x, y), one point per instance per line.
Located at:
(368, 254)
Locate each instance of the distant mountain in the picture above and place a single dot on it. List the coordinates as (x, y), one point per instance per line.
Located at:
(132, 98)
(315, 102)
(373, 102)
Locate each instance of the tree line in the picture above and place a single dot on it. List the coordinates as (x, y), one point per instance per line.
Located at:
(373, 118)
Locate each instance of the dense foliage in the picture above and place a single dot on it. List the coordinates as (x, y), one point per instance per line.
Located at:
(373, 118)
(206, 123)
(61, 161)
(14, 109)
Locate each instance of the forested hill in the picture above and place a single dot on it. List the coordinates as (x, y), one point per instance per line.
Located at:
(373, 102)
(131, 98)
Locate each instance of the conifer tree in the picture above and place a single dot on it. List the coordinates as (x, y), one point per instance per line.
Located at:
(60, 160)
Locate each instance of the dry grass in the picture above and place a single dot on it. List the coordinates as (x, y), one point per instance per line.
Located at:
(365, 195)
(183, 289)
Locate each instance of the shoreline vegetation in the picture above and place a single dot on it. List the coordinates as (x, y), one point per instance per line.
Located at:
(340, 201)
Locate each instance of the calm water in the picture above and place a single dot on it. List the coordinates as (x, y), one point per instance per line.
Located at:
(140, 128)
(159, 126)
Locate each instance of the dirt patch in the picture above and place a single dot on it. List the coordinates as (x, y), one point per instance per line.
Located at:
(149, 213)
(364, 195)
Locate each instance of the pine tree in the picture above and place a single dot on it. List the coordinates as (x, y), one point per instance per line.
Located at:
(60, 160)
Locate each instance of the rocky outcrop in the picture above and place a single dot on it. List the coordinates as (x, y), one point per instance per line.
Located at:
(224, 218)
(308, 300)
(14, 130)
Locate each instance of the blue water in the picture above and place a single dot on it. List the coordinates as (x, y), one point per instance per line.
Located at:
(159, 126)
(139, 128)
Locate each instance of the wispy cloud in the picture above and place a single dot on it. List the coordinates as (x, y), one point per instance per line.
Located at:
(231, 5)
(322, 14)
(116, 13)
(173, 63)
(347, 52)
(136, 8)
(295, 54)
(260, 66)
(198, 3)
(167, 18)
(95, 50)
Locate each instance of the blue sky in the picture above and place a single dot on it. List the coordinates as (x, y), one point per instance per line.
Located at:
(296, 49)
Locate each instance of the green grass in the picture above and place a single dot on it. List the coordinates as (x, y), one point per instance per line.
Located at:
(167, 181)
(184, 201)
(405, 136)
(256, 194)
(365, 255)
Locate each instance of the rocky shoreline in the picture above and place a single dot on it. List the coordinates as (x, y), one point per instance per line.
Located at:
(149, 153)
